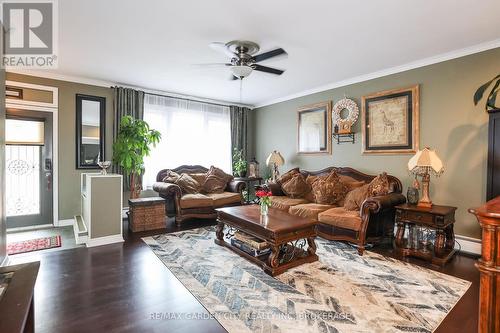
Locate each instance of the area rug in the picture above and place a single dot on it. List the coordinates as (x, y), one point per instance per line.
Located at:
(342, 292)
(34, 244)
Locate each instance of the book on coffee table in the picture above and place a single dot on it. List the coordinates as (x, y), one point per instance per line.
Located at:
(250, 240)
(248, 249)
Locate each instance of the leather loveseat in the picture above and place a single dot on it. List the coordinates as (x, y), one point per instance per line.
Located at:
(196, 205)
(372, 223)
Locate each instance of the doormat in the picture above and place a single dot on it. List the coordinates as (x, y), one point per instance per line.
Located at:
(36, 244)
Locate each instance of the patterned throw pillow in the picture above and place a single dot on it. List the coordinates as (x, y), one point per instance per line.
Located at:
(216, 180)
(295, 187)
(199, 177)
(188, 184)
(287, 176)
(329, 190)
(309, 196)
(356, 197)
(379, 185)
(171, 177)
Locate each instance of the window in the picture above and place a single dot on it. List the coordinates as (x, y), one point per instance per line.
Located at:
(192, 133)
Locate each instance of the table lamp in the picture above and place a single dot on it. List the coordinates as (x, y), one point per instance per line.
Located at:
(425, 162)
(275, 160)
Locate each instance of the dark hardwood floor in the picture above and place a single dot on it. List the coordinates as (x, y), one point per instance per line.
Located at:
(125, 288)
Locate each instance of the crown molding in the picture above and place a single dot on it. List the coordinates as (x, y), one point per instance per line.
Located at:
(108, 84)
(389, 71)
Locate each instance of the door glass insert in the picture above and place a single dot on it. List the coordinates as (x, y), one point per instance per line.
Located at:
(22, 179)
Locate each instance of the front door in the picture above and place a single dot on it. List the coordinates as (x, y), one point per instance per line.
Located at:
(28, 164)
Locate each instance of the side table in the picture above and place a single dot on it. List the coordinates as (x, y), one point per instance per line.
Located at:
(438, 219)
(248, 181)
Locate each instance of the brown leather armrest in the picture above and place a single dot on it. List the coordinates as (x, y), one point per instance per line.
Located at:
(167, 189)
(236, 186)
(383, 202)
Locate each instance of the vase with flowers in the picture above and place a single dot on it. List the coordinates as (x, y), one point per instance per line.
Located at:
(265, 201)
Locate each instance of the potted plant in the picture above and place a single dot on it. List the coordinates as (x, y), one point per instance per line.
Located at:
(133, 143)
(491, 99)
(239, 163)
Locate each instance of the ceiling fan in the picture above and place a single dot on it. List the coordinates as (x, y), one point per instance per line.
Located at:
(243, 60)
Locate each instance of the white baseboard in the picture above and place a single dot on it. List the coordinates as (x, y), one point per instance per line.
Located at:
(5, 261)
(29, 228)
(65, 223)
(468, 244)
(91, 242)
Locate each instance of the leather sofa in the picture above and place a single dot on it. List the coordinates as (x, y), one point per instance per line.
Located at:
(373, 223)
(185, 206)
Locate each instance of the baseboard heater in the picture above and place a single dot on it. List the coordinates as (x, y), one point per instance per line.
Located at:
(80, 230)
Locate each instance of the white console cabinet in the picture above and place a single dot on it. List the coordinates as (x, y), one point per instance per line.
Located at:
(100, 219)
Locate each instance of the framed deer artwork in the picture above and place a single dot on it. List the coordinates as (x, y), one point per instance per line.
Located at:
(390, 121)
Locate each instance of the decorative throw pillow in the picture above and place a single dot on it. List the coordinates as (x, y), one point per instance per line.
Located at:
(295, 187)
(350, 182)
(355, 198)
(188, 184)
(171, 177)
(287, 175)
(216, 180)
(199, 177)
(379, 185)
(309, 196)
(329, 190)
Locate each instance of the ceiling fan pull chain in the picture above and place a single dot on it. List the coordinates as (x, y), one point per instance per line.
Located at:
(241, 89)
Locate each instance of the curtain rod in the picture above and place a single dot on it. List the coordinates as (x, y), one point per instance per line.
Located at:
(185, 97)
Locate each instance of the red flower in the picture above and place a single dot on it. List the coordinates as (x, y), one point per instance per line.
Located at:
(262, 193)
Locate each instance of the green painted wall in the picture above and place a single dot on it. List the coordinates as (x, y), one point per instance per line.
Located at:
(69, 176)
(449, 123)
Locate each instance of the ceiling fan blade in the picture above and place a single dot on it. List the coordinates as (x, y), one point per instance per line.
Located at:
(221, 47)
(267, 69)
(216, 65)
(269, 54)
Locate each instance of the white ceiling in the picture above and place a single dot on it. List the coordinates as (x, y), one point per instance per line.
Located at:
(153, 43)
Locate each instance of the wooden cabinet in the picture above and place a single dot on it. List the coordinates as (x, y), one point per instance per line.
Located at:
(488, 216)
(493, 174)
(100, 220)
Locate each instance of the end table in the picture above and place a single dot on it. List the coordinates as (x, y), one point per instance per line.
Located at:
(248, 181)
(439, 219)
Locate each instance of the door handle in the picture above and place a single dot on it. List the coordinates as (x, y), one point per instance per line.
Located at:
(48, 177)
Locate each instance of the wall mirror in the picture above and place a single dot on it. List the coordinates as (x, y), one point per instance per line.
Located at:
(90, 131)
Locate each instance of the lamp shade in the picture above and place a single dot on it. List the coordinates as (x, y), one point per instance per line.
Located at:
(275, 158)
(426, 160)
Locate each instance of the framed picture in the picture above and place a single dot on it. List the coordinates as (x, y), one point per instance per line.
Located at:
(314, 129)
(390, 121)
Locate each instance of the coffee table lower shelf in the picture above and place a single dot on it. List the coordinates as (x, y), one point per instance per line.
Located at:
(277, 261)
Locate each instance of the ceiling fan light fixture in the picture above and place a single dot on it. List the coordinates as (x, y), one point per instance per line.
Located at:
(241, 71)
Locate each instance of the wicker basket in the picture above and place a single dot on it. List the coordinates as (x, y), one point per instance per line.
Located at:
(146, 214)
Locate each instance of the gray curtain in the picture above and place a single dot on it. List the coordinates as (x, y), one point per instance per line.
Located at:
(239, 117)
(126, 102)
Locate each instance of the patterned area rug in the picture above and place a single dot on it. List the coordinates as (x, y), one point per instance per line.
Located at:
(343, 292)
(34, 244)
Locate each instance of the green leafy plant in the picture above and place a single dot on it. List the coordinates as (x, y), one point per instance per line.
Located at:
(239, 163)
(133, 143)
(492, 96)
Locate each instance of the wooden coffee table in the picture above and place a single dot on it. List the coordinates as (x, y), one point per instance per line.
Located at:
(287, 236)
